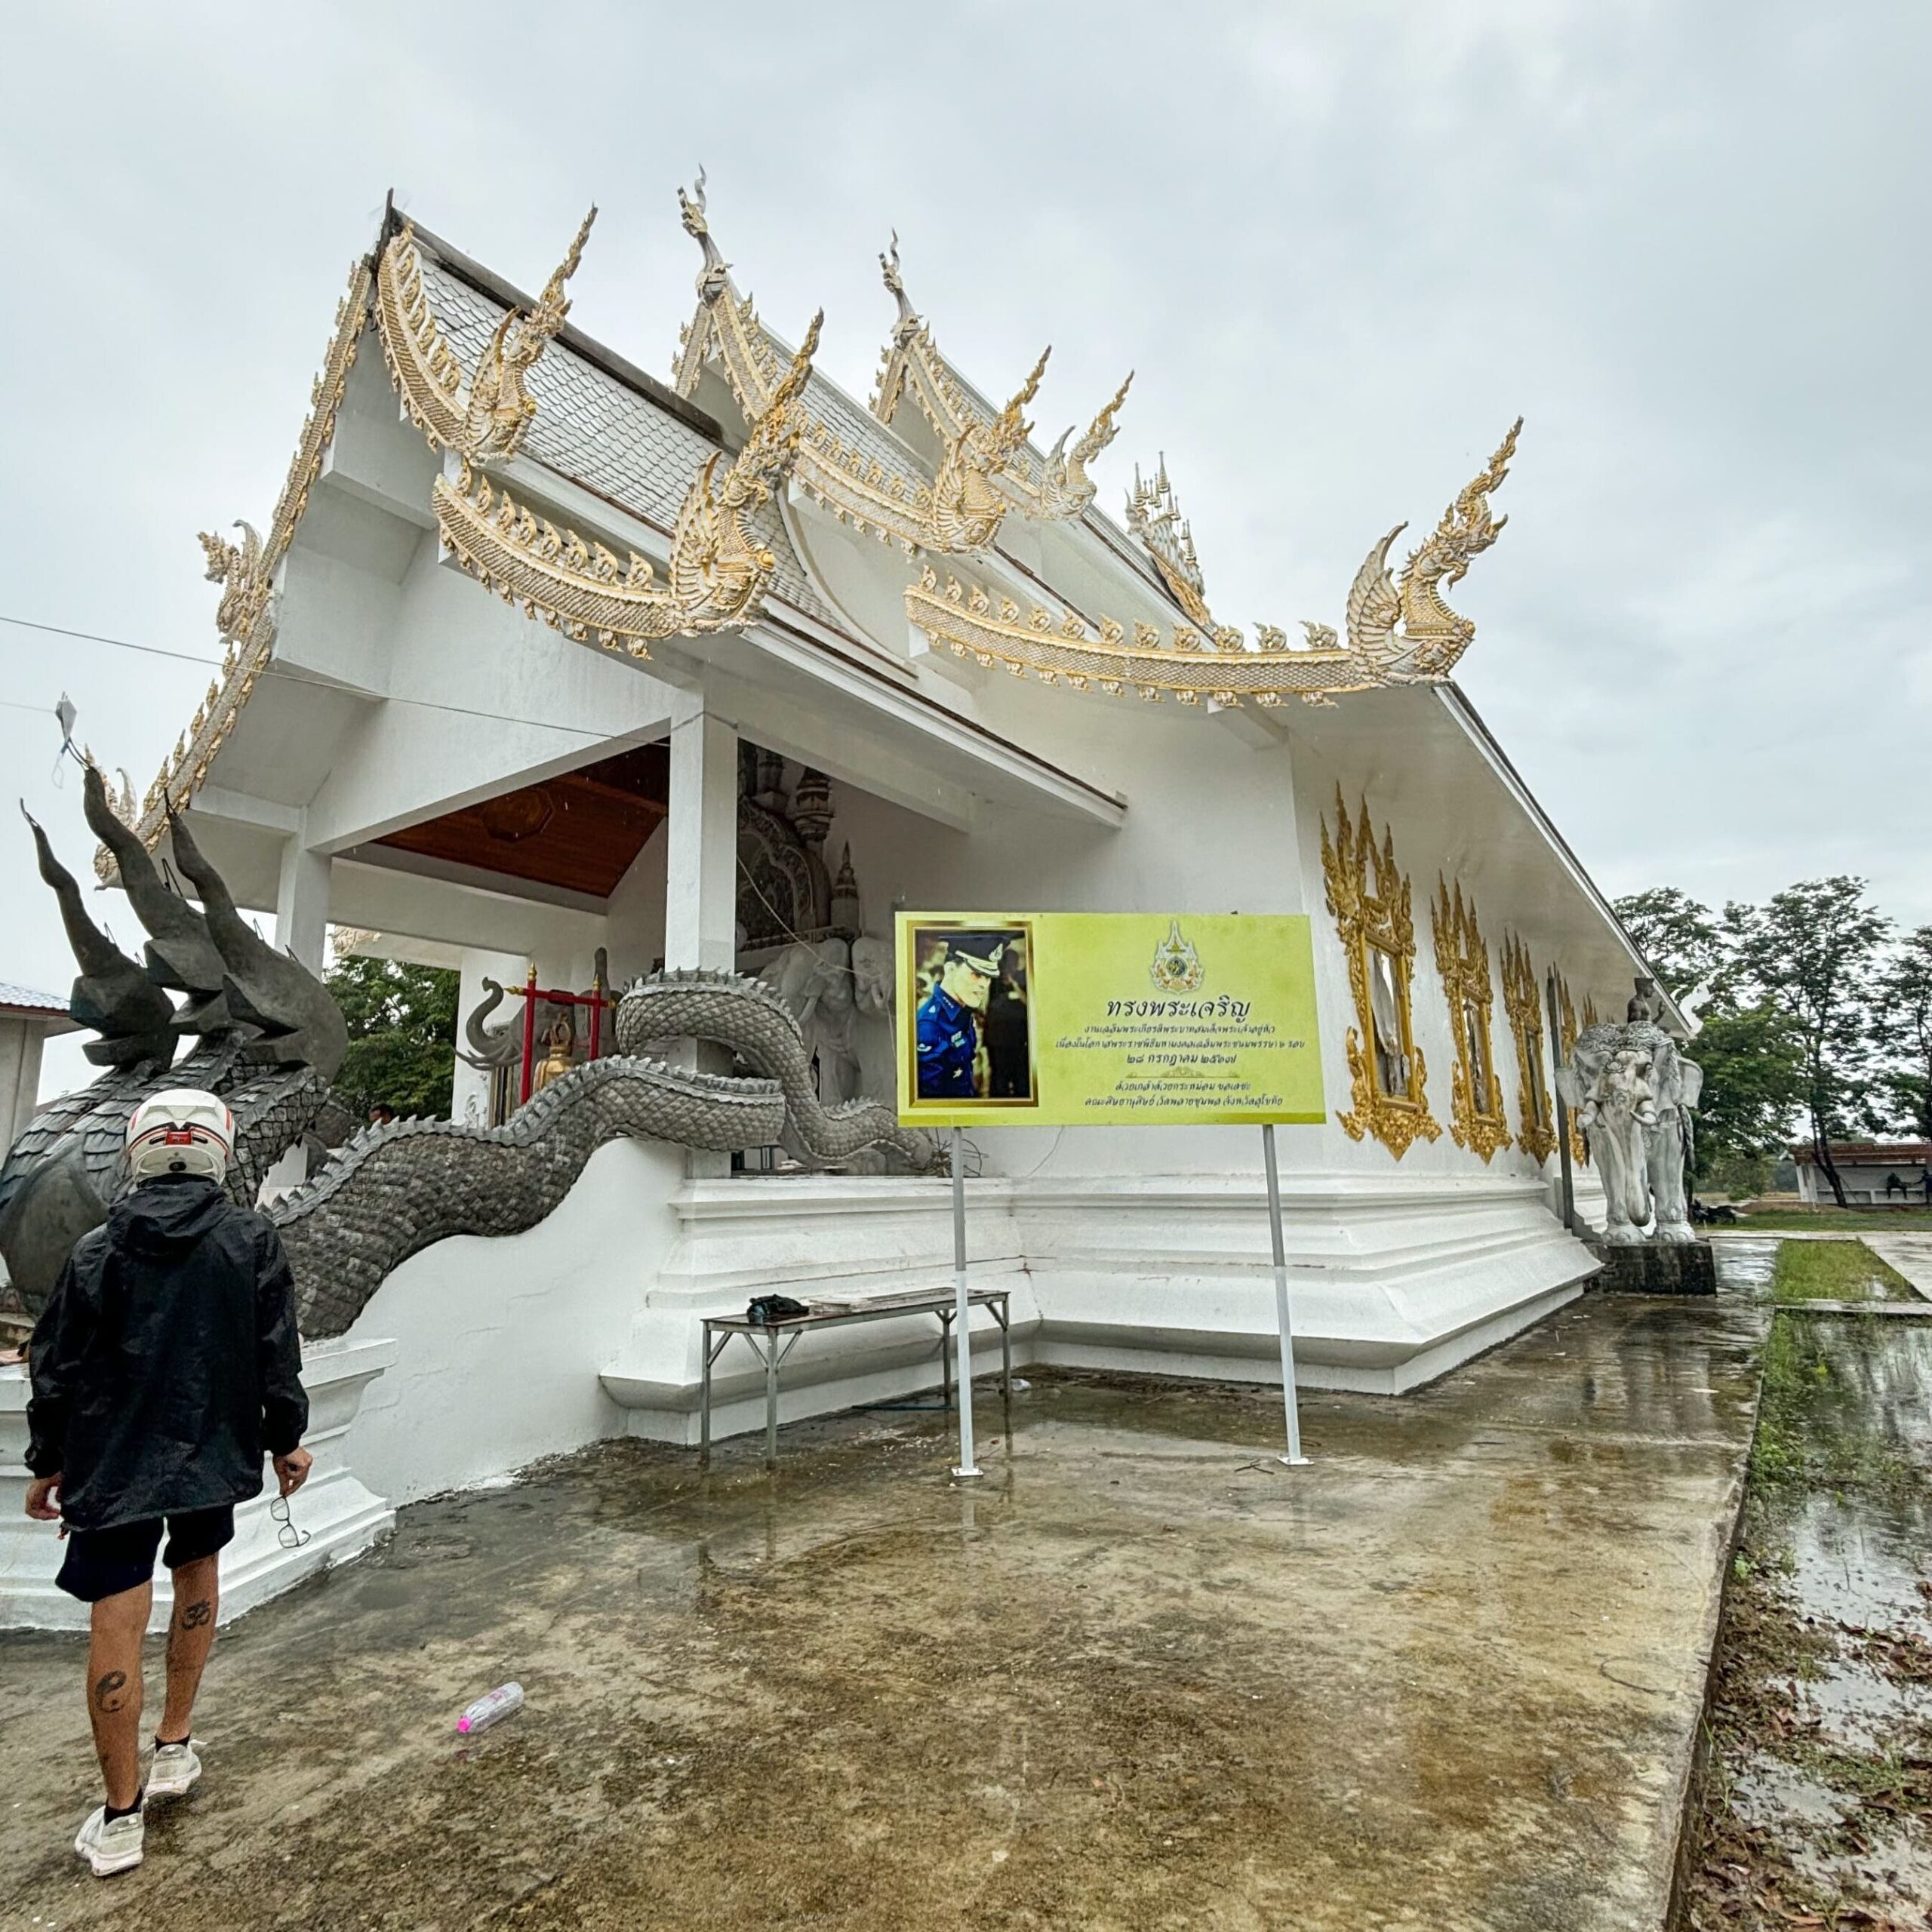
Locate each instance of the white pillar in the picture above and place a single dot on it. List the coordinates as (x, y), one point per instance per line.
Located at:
(302, 904)
(701, 872)
(701, 857)
(508, 970)
(19, 1076)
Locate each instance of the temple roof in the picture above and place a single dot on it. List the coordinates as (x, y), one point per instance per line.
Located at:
(598, 430)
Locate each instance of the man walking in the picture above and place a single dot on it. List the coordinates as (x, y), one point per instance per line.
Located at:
(165, 1364)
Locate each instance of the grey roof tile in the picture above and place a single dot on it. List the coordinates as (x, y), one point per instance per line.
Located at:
(601, 433)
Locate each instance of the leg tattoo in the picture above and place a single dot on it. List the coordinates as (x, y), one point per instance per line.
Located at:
(110, 1690)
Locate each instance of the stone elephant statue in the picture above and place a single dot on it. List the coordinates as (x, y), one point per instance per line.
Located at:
(1633, 1094)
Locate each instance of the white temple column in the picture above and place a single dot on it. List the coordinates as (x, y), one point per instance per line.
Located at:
(701, 858)
(302, 904)
(469, 1096)
(701, 873)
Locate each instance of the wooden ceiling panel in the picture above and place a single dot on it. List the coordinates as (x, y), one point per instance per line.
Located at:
(580, 830)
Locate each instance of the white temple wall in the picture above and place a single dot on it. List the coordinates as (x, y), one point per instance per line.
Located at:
(635, 913)
(499, 1343)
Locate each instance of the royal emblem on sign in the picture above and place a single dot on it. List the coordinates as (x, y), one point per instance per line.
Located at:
(1177, 966)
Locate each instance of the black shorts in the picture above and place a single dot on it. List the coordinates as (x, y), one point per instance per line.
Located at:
(103, 1563)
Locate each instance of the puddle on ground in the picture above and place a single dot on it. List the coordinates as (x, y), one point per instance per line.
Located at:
(1819, 1796)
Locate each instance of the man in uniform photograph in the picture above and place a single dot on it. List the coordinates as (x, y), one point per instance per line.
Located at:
(948, 1024)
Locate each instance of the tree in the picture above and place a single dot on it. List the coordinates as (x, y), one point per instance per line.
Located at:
(1753, 1059)
(1678, 937)
(402, 1034)
(1902, 1031)
(1811, 952)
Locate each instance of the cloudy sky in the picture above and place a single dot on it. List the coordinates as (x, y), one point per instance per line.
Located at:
(1343, 245)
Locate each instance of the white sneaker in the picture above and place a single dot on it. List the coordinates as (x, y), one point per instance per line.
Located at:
(175, 1767)
(112, 1846)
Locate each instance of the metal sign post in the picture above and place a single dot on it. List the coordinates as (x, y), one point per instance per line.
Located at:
(962, 1315)
(1282, 1319)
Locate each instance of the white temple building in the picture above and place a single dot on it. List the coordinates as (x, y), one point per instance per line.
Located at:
(541, 658)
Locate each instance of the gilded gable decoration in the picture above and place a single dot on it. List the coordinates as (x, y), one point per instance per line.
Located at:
(485, 421)
(1369, 898)
(982, 473)
(1219, 667)
(1523, 1002)
(1477, 1119)
(244, 618)
(717, 575)
(912, 364)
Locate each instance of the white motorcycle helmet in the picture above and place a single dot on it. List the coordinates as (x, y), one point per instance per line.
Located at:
(184, 1131)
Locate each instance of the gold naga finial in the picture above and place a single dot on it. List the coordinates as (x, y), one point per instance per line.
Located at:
(1067, 489)
(500, 407)
(238, 568)
(1431, 637)
(551, 309)
(1008, 429)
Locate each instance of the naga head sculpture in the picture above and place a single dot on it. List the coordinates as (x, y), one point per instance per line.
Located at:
(294, 1021)
(133, 1016)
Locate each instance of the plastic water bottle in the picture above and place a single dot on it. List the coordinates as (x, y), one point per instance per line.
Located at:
(505, 1701)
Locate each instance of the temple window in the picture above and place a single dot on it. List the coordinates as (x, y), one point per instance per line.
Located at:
(1369, 900)
(1523, 1002)
(1476, 1117)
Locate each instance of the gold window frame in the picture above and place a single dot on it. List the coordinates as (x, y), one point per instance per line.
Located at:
(1376, 916)
(1566, 1039)
(1461, 959)
(1524, 1003)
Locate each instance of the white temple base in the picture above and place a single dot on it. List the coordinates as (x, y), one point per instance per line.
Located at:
(341, 1515)
(1393, 1283)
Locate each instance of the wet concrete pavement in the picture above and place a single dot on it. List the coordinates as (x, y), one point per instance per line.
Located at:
(1447, 1677)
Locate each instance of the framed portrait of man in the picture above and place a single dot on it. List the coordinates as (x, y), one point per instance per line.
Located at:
(971, 1042)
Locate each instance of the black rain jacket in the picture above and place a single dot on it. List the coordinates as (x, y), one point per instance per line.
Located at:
(167, 1361)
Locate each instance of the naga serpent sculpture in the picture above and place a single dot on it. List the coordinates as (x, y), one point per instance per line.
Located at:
(394, 1189)
(272, 1038)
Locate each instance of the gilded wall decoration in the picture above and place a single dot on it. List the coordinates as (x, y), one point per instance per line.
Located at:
(1369, 900)
(485, 420)
(716, 574)
(244, 618)
(1523, 1002)
(1477, 1117)
(1566, 1035)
